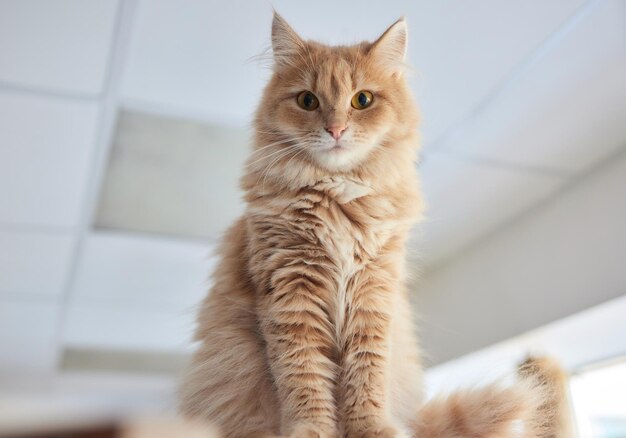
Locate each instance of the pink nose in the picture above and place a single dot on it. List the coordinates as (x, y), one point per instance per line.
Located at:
(335, 131)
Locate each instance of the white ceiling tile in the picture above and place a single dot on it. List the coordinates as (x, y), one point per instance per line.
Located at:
(567, 110)
(60, 45)
(178, 58)
(142, 272)
(134, 292)
(122, 328)
(467, 200)
(34, 263)
(28, 337)
(464, 51)
(45, 151)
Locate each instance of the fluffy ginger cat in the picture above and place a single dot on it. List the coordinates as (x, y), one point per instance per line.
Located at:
(307, 330)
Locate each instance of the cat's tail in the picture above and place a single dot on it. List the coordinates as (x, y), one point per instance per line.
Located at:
(532, 407)
(555, 412)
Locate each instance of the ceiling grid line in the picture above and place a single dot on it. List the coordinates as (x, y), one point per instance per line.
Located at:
(548, 44)
(515, 167)
(108, 109)
(10, 87)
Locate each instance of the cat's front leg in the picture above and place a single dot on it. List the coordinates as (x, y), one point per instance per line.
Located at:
(366, 335)
(300, 349)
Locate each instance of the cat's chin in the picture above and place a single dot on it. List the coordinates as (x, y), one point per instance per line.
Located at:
(336, 159)
(339, 157)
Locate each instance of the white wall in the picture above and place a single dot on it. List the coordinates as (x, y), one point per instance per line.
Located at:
(567, 255)
(579, 342)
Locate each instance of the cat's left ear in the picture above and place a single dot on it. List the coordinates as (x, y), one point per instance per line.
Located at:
(285, 41)
(390, 48)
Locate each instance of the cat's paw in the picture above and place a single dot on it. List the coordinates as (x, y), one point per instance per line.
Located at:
(307, 431)
(384, 431)
(343, 190)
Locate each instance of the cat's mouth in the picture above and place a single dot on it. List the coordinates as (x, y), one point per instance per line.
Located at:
(335, 148)
(335, 155)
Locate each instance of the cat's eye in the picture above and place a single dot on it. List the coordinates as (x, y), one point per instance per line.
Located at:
(362, 99)
(308, 101)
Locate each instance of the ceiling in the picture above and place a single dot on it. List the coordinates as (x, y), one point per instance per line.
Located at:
(518, 100)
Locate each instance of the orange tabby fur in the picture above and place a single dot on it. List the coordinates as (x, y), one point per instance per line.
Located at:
(307, 331)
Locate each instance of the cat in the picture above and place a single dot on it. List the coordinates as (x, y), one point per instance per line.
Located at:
(307, 330)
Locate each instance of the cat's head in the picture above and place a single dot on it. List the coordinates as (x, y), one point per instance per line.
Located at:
(334, 108)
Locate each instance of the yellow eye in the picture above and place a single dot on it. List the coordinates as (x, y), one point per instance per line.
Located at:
(308, 101)
(362, 99)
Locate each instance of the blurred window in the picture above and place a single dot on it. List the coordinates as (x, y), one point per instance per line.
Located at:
(599, 399)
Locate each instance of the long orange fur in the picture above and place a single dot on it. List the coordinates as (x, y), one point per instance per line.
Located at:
(307, 331)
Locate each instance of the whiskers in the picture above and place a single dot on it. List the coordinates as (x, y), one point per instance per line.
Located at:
(263, 159)
(267, 146)
(295, 149)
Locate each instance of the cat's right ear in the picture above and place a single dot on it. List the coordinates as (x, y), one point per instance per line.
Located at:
(390, 48)
(285, 41)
